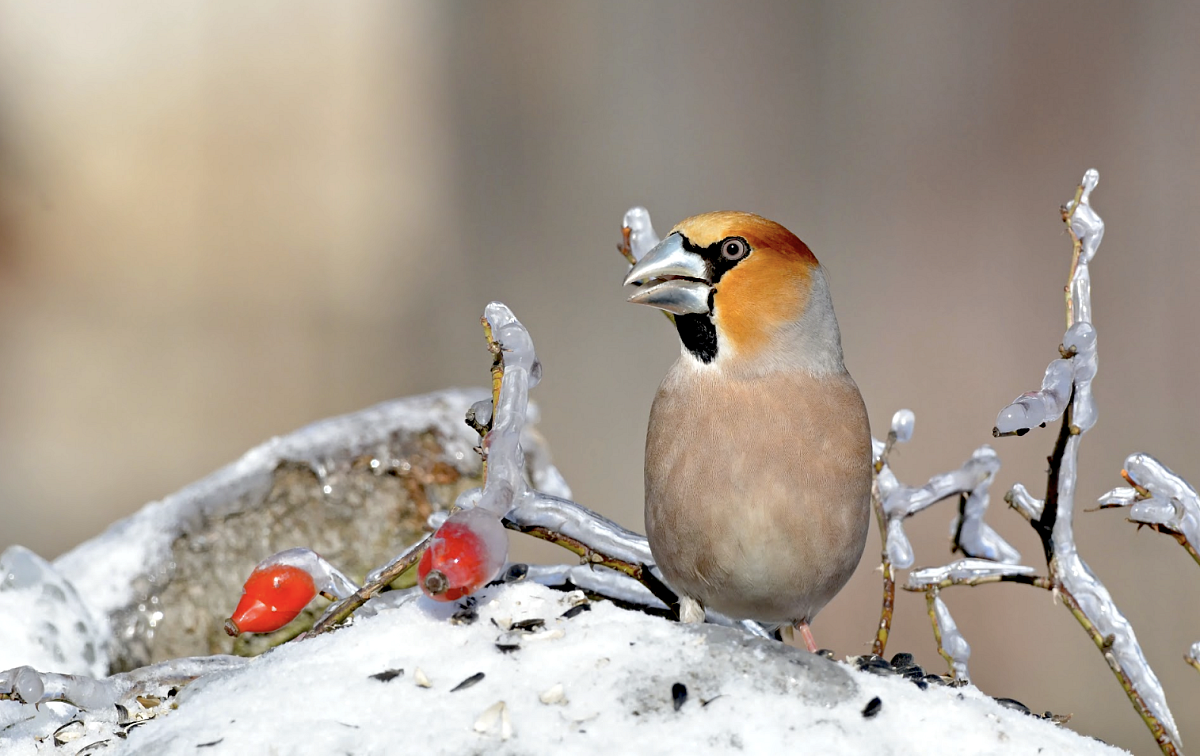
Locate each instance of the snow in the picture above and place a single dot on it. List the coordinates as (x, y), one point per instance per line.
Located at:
(602, 680)
(59, 631)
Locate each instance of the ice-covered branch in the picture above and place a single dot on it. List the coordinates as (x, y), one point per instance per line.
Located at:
(893, 502)
(950, 643)
(1160, 499)
(1067, 392)
(1024, 502)
(29, 686)
(639, 235)
(972, 572)
(969, 532)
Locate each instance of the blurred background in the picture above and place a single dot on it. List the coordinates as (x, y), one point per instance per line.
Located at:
(219, 222)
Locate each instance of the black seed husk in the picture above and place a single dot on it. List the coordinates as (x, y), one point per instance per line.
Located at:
(575, 611)
(468, 682)
(387, 674)
(1012, 703)
(872, 708)
(679, 695)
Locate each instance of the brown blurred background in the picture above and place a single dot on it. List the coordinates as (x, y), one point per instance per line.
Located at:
(221, 222)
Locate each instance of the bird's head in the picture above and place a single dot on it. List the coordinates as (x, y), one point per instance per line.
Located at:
(746, 294)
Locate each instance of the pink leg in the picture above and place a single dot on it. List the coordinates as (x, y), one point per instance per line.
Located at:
(807, 635)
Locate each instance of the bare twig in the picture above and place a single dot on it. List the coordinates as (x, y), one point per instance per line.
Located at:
(338, 613)
(888, 604)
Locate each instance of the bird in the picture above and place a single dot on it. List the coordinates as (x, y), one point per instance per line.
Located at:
(758, 449)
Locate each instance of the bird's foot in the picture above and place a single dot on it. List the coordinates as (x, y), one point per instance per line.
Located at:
(806, 633)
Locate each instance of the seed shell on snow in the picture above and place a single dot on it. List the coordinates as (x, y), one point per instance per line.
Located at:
(575, 611)
(872, 708)
(72, 730)
(387, 675)
(679, 695)
(420, 679)
(472, 680)
(574, 598)
(555, 695)
(487, 720)
(553, 633)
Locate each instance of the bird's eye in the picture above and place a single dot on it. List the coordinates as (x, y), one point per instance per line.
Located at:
(734, 249)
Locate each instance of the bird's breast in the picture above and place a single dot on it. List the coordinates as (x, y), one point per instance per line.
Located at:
(757, 490)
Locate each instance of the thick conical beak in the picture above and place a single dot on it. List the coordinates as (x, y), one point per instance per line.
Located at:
(671, 278)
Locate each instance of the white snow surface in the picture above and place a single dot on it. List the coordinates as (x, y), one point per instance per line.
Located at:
(598, 682)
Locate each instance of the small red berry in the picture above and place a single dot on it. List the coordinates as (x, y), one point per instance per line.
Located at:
(467, 551)
(271, 598)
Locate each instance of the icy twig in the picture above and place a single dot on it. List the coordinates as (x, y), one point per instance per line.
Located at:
(514, 371)
(524, 519)
(900, 432)
(1081, 591)
(637, 238)
(893, 502)
(1159, 498)
(27, 685)
(340, 611)
(638, 235)
(973, 572)
(1024, 502)
(1192, 657)
(950, 643)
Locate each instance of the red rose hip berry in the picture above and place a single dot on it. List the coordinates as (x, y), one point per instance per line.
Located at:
(272, 597)
(465, 554)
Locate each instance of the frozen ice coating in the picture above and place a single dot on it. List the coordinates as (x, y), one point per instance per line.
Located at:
(964, 569)
(1173, 503)
(1088, 227)
(66, 636)
(953, 643)
(642, 238)
(89, 694)
(480, 412)
(1081, 339)
(1077, 579)
(1034, 408)
(899, 549)
(506, 463)
(902, 425)
(974, 478)
(1121, 496)
(1025, 502)
(326, 577)
(572, 520)
(596, 579)
(975, 536)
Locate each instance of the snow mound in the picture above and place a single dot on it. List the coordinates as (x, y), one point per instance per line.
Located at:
(527, 669)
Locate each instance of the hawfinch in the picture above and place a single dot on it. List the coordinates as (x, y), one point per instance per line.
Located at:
(758, 454)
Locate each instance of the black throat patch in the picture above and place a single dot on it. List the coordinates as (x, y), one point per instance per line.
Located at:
(699, 336)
